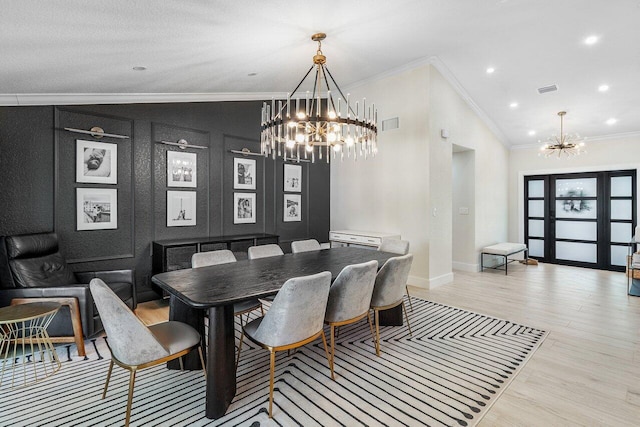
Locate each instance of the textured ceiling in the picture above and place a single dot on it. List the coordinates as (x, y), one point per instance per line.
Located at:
(211, 47)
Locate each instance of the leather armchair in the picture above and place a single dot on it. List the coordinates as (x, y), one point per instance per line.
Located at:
(31, 266)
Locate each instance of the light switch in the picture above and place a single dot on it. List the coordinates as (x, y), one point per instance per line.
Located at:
(463, 211)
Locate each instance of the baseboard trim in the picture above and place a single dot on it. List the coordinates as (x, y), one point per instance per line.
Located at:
(440, 280)
(418, 282)
(463, 266)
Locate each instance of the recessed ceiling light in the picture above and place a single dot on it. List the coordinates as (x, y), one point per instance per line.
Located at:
(532, 132)
(591, 40)
(603, 88)
(611, 121)
(490, 70)
(139, 68)
(513, 105)
(252, 74)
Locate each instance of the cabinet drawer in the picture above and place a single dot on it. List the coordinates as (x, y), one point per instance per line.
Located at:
(354, 238)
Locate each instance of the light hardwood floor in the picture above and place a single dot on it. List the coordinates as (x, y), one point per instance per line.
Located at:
(587, 371)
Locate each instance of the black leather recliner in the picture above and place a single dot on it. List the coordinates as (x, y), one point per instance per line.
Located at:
(31, 266)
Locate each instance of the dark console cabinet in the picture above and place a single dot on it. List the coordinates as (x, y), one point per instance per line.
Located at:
(175, 254)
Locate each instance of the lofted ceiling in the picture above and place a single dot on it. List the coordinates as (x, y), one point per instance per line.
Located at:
(250, 49)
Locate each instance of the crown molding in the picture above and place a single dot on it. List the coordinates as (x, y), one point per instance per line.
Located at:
(588, 140)
(129, 98)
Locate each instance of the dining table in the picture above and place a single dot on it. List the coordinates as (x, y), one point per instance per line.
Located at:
(215, 289)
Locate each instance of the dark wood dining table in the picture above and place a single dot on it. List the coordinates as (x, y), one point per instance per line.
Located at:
(215, 289)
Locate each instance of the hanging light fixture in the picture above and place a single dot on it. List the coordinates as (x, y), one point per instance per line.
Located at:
(567, 144)
(323, 123)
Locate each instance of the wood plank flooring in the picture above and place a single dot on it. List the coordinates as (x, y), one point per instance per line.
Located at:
(587, 371)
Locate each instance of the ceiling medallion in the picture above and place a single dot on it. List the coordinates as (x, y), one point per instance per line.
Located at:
(318, 122)
(567, 144)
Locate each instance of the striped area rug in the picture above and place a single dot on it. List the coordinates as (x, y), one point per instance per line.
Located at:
(448, 373)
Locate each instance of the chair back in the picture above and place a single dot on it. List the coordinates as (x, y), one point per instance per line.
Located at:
(130, 341)
(263, 251)
(203, 259)
(297, 311)
(395, 246)
(305, 246)
(391, 281)
(350, 293)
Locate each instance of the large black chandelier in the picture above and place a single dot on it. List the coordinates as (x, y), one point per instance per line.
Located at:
(321, 124)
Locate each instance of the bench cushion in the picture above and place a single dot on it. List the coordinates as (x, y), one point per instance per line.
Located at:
(504, 248)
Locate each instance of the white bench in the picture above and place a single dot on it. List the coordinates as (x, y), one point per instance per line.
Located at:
(504, 250)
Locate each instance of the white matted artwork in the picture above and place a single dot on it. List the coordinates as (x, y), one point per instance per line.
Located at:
(182, 169)
(181, 208)
(244, 174)
(244, 208)
(292, 178)
(292, 208)
(96, 162)
(96, 208)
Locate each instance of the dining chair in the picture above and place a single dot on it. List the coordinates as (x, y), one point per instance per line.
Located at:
(388, 290)
(296, 318)
(305, 246)
(263, 251)
(400, 247)
(134, 345)
(224, 256)
(349, 299)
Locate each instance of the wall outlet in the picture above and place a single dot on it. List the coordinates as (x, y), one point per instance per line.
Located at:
(463, 211)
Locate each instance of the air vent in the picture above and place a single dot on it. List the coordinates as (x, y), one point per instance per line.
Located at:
(390, 124)
(546, 89)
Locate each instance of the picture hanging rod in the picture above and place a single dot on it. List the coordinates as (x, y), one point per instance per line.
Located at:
(96, 132)
(183, 144)
(247, 152)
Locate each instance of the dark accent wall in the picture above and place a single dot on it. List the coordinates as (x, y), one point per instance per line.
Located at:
(38, 179)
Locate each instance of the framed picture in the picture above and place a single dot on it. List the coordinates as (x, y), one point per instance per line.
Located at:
(244, 174)
(96, 208)
(181, 169)
(244, 208)
(292, 208)
(292, 178)
(181, 208)
(96, 162)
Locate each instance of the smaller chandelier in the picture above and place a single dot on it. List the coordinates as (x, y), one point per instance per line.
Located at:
(567, 144)
(319, 122)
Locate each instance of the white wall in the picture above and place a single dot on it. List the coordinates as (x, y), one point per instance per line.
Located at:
(610, 154)
(412, 173)
(463, 250)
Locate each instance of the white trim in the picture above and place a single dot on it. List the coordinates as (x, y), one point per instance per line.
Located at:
(419, 282)
(440, 280)
(464, 266)
(130, 98)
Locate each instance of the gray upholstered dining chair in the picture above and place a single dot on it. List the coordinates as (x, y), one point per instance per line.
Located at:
(388, 290)
(224, 256)
(295, 318)
(349, 299)
(134, 345)
(305, 246)
(400, 247)
(263, 251)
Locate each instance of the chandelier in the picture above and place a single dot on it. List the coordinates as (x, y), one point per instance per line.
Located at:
(568, 144)
(318, 122)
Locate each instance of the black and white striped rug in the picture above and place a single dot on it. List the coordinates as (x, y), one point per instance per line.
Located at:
(449, 373)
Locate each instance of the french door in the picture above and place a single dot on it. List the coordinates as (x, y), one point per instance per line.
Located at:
(581, 219)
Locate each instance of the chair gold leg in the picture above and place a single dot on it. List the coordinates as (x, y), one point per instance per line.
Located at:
(373, 336)
(132, 380)
(261, 310)
(239, 349)
(406, 316)
(377, 319)
(106, 384)
(333, 350)
(204, 366)
(409, 298)
(272, 365)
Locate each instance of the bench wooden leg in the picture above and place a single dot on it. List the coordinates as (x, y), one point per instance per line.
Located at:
(76, 322)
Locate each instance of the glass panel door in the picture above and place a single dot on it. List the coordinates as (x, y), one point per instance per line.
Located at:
(621, 217)
(535, 216)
